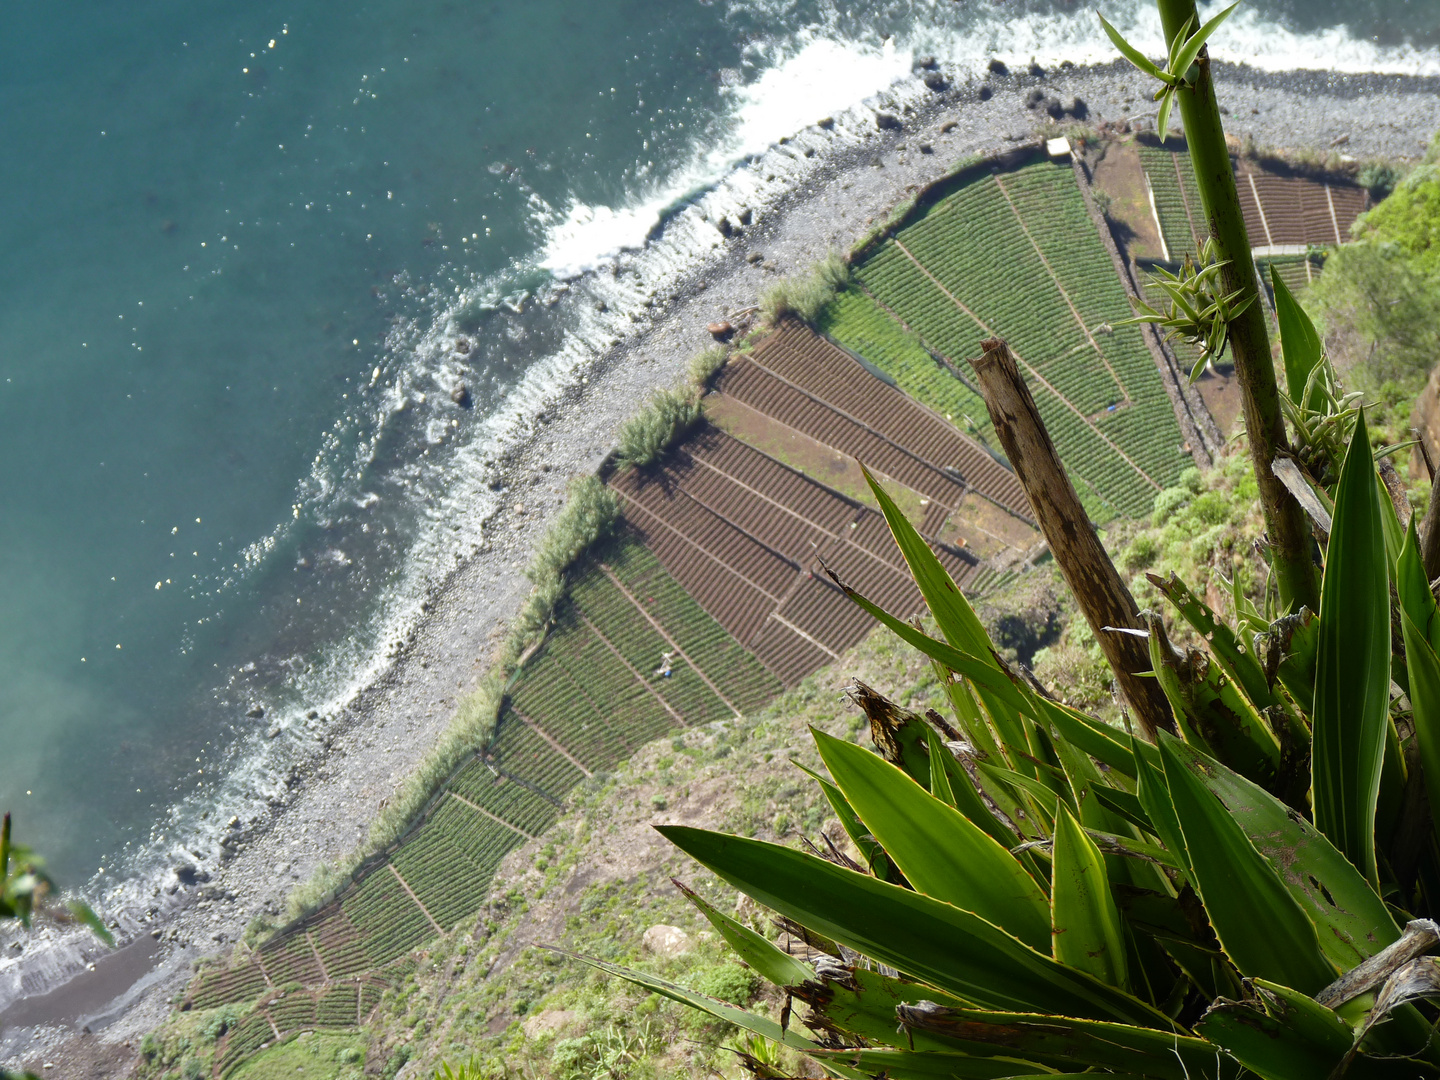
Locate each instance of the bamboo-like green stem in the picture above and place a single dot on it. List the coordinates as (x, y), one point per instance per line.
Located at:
(1249, 337)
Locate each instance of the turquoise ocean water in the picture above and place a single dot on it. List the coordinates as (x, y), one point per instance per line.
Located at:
(234, 242)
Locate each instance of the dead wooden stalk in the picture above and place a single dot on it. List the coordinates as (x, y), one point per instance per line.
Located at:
(1097, 586)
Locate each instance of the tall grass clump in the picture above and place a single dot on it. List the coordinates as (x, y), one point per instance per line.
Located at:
(804, 297)
(663, 420)
(589, 515)
(705, 364)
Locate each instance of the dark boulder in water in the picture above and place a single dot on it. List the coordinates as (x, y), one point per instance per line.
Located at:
(745, 216)
(1034, 98)
(997, 67)
(888, 122)
(461, 395)
(935, 81)
(189, 875)
(985, 92)
(926, 63)
(1036, 70)
(255, 712)
(724, 228)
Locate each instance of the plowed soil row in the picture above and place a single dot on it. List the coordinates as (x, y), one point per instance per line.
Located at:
(750, 538)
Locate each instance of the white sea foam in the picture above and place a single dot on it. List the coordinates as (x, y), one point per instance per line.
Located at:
(800, 82)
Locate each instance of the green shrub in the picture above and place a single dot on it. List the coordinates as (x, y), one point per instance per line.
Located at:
(570, 1057)
(663, 420)
(1379, 177)
(1168, 502)
(728, 982)
(1378, 308)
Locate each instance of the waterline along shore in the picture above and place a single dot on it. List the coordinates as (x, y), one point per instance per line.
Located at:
(855, 171)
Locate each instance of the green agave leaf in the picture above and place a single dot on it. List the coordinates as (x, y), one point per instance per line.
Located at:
(870, 850)
(1125, 805)
(1095, 737)
(1210, 710)
(1162, 128)
(926, 939)
(1073, 1043)
(1191, 49)
(1299, 342)
(767, 958)
(1086, 927)
(965, 798)
(953, 614)
(958, 623)
(1134, 55)
(1230, 653)
(1154, 796)
(1353, 921)
(1425, 698)
(1041, 794)
(1163, 918)
(1411, 584)
(1298, 637)
(941, 852)
(1261, 926)
(854, 1004)
(1352, 676)
(952, 784)
(1288, 1036)
(920, 1065)
(987, 678)
(82, 913)
(748, 1021)
(940, 786)
(1172, 56)
(969, 718)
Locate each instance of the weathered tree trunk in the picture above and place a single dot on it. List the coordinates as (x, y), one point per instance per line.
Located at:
(1249, 338)
(1430, 533)
(1092, 577)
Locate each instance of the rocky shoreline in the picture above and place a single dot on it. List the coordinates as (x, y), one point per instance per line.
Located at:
(92, 1024)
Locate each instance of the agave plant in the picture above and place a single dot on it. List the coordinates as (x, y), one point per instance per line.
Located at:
(1039, 892)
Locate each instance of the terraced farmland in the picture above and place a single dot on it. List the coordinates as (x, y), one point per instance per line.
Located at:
(1016, 255)
(749, 537)
(589, 697)
(861, 325)
(1284, 215)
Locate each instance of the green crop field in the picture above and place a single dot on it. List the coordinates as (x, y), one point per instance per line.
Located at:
(1016, 254)
(236, 984)
(741, 678)
(1170, 200)
(253, 1033)
(856, 321)
(390, 923)
(335, 1008)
